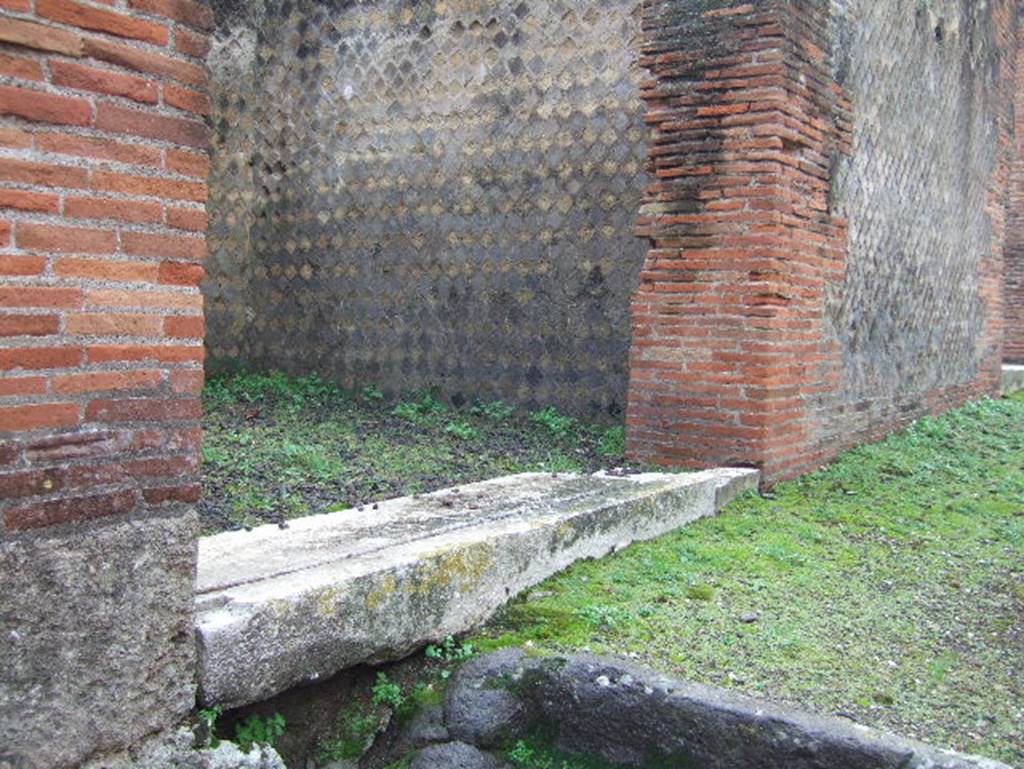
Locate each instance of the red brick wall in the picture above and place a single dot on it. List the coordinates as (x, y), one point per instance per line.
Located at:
(1014, 254)
(103, 170)
(727, 349)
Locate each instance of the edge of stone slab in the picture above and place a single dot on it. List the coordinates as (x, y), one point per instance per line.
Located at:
(1013, 378)
(260, 638)
(631, 714)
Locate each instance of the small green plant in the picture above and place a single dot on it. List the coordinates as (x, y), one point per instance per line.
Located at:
(388, 693)
(700, 593)
(605, 617)
(496, 411)
(259, 731)
(213, 455)
(371, 393)
(308, 460)
(421, 410)
(450, 650)
(208, 719)
(462, 430)
(356, 731)
(521, 753)
(560, 425)
(613, 442)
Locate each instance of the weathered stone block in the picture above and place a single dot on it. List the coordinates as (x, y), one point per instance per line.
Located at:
(98, 649)
(278, 608)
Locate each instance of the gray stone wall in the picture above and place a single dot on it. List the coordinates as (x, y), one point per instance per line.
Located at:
(416, 194)
(914, 315)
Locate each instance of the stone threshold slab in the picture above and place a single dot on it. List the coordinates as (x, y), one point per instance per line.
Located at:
(277, 608)
(1013, 379)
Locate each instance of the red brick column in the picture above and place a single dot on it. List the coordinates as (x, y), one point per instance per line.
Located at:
(103, 172)
(728, 354)
(1014, 254)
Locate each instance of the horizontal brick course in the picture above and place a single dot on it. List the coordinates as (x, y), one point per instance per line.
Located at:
(103, 149)
(101, 81)
(29, 325)
(143, 61)
(41, 107)
(113, 208)
(186, 11)
(40, 37)
(142, 123)
(21, 68)
(101, 20)
(37, 417)
(65, 240)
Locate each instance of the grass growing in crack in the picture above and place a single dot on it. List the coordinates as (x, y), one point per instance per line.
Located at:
(888, 588)
(256, 730)
(279, 447)
(355, 731)
(387, 692)
(538, 753)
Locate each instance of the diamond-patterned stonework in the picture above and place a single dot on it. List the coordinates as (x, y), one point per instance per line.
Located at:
(419, 194)
(912, 315)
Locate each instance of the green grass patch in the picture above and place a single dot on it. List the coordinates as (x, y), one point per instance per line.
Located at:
(538, 753)
(279, 447)
(888, 588)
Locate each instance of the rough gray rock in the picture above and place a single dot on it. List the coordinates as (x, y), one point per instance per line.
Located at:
(425, 728)
(97, 649)
(480, 706)
(175, 750)
(455, 755)
(629, 715)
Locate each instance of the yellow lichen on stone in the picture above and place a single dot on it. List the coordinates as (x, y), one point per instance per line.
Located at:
(376, 597)
(280, 608)
(327, 601)
(465, 566)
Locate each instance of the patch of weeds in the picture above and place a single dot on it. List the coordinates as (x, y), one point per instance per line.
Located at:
(423, 694)
(605, 617)
(372, 394)
(555, 422)
(388, 693)
(612, 442)
(277, 447)
(557, 462)
(700, 592)
(259, 731)
(309, 460)
(356, 731)
(208, 718)
(462, 430)
(495, 411)
(218, 394)
(421, 411)
(538, 753)
(214, 455)
(450, 650)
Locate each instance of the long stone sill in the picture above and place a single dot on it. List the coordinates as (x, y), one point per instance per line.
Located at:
(277, 608)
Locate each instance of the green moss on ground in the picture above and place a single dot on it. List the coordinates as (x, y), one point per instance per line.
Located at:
(279, 447)
(888, 588)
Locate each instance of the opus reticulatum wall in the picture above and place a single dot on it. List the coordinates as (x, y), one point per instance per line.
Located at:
(443, 194)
